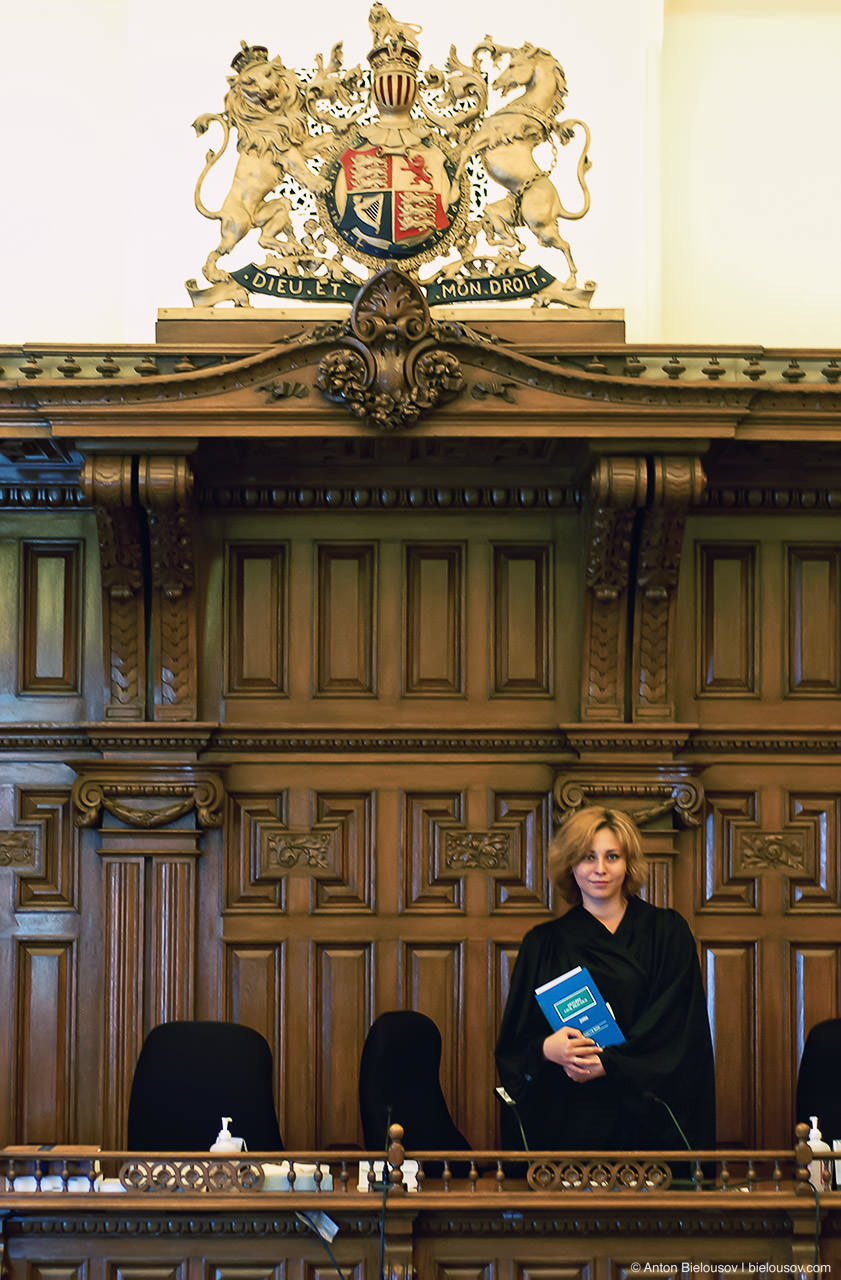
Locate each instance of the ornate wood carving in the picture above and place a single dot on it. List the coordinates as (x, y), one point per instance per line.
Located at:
(618, 489)
(145, 797)
(477, 850)
(165, 486)
(18, 850)
(676, 484)
(645, 797)
(283, 851)
(107, 485)
(387, 368)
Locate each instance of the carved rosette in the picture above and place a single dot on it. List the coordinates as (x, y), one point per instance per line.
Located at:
(618, 489)
(388, 369)
(677, 484)
(107, 484)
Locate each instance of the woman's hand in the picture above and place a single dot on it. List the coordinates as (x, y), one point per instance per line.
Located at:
(577, 1054)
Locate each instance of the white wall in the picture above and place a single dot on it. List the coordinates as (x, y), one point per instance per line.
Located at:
(97, 220)
(751, 170)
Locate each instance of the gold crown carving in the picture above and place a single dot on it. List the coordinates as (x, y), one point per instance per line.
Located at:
(249, 54)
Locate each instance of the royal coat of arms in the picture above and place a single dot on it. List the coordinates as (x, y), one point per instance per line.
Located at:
(343, 172)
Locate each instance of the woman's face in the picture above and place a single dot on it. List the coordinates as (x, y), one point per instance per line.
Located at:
(600, 875)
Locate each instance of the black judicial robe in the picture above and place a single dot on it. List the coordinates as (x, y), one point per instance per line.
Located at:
(649, 974)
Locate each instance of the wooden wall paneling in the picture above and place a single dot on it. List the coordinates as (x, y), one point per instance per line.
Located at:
(172, 950)
(50, 645)
(124, 965)
(813, 609)
(351, 887)
(724, 885)
(56, 888)
(58, 1270)
(45, 1039)
(522, 620)
(808, 852)
(434, 631)
(107, 482)
(217, 1270)
(247, 814)
(254, 994)
(814, 972)
(165, 486)
(346, 620)
(435, 977)
(428, 886)
(730, 974)
(256, 611)
(522, 884)
(727, 662)
(617, 491)
(343, 1006)
(147, 1271)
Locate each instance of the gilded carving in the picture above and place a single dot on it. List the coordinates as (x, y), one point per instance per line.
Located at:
(388, 160)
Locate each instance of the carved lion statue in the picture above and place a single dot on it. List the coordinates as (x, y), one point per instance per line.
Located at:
(265, 106)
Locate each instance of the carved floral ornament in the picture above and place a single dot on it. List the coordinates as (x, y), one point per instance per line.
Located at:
(388, 368)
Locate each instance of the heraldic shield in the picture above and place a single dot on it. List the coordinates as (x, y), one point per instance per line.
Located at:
(393, 206)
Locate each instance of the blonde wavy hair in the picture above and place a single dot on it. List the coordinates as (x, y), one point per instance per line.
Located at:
(574, 839)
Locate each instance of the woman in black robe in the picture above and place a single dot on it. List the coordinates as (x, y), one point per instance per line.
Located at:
(654, 1092)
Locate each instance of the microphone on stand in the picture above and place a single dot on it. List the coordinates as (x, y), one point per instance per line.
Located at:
(652, 1097)
(503, 1093)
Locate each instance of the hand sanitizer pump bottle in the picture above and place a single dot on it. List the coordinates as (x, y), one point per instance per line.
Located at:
(820, 1171)
(225, 1143)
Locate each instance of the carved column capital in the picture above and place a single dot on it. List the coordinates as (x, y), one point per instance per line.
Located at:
(145, 798)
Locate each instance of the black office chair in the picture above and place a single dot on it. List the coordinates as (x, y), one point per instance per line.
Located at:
(818, 1076)
(189, 1075)
(399, 1084)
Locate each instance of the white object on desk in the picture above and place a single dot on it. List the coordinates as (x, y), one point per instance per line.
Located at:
(225, 1141)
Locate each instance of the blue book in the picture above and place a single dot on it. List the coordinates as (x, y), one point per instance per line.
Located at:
(574, 1000)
